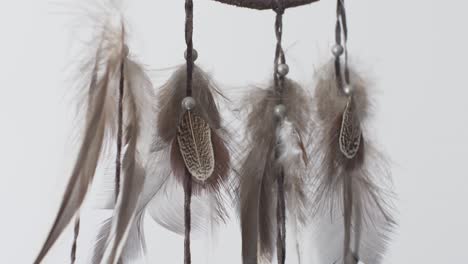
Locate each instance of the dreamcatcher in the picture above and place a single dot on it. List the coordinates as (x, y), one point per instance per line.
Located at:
(295, 171)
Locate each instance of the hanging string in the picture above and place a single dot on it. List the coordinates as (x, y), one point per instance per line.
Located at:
(188, 177)
(76, 231)
(280, 59)
(341, 38)
(281, 220)
(118, 161)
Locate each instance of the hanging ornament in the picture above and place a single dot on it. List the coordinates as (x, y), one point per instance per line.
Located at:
(272, 177)
(351, 202)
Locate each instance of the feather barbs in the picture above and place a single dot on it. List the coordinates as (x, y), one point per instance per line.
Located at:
(195, 145)
(350, 131)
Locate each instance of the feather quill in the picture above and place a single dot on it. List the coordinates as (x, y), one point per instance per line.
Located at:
(272, 146)
(351, 191)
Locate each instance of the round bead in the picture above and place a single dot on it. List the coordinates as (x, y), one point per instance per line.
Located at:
(194, 54)
(348, 89)
(337, 50)
(283, 69)
(125, 50)
(280, 111)
(188, 103)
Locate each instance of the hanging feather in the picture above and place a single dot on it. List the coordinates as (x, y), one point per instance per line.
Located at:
(350, 203)
(99, 123)
(195, 145)
(274, 146)
(294, 160)
(111, 68)
(195, 140)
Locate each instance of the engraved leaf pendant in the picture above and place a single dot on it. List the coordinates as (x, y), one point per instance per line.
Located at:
(196, 147)
(350, 132)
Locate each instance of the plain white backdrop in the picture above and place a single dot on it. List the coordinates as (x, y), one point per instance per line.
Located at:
(414, 51)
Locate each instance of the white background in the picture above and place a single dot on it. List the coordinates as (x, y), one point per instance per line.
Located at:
(414, 51)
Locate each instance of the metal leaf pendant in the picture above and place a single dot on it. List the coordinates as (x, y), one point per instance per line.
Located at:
(350, 133)
(196, 147)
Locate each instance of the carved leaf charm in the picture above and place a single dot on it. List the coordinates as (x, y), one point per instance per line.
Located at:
(196, 147)
(350, 133)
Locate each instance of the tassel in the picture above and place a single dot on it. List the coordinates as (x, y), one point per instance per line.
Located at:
(350, 185)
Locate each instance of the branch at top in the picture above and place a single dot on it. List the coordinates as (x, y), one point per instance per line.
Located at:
(266, 4)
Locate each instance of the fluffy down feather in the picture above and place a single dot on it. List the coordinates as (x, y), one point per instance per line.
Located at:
(351, 193)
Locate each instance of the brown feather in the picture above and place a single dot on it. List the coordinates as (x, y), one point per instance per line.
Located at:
(350, 132)
(175, 138)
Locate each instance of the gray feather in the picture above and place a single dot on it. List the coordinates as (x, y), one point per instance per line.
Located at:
(195, 145)
(170, 160)
(98, 119)
(166, 209)
(135, 246)
(259, 171)
(351, 181)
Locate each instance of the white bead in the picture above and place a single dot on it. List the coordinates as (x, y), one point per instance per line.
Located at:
(337, 50)
(194, 55)
(283, 70)
(188, 103)
(348, 89)
(280, 111)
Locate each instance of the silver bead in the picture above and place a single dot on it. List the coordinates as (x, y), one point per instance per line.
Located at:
(283, 70)
(348, 89)
(125, 50)
(337, 50)
(194, 55)
(188, 103)
(280, 111)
